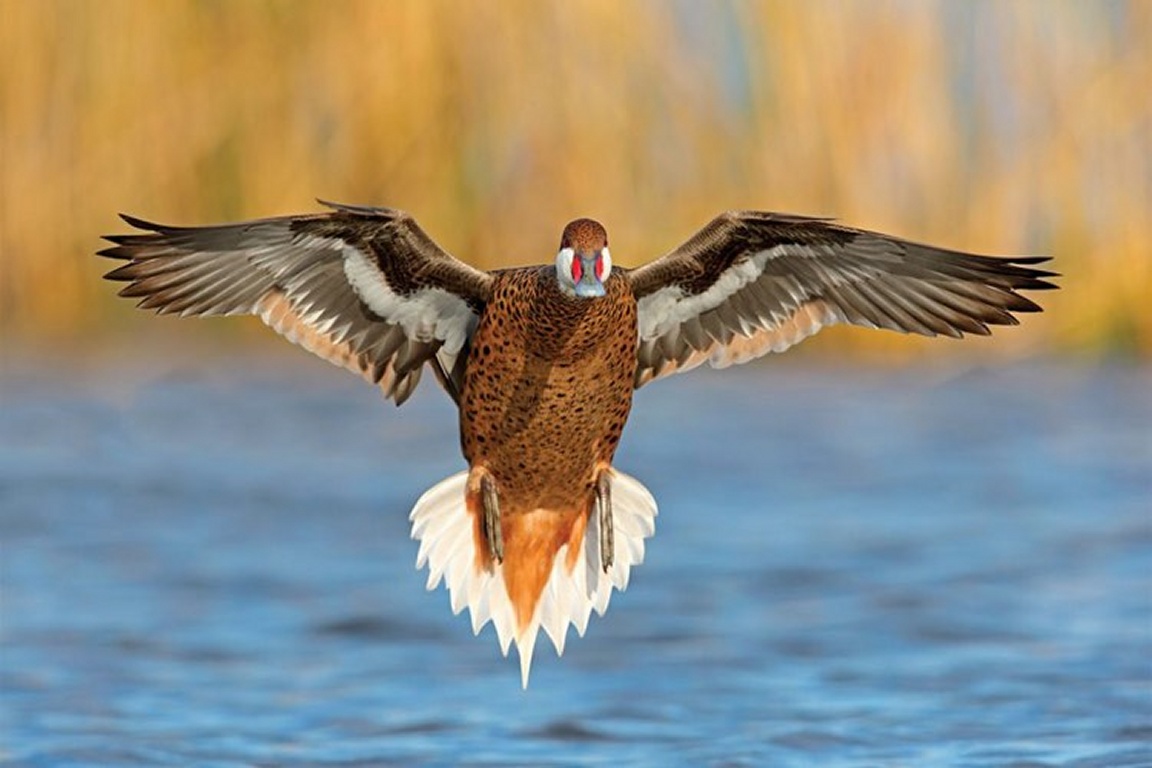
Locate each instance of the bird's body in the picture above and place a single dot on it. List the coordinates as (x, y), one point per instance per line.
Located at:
(543, 361)
(547, 388)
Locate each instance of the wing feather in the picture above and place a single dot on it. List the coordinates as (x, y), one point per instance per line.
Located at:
(751, 282)
(364, 288)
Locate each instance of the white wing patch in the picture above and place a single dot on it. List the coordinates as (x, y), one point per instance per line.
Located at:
(744, 314)
(427, 314)
(711, 300)
(668, 307)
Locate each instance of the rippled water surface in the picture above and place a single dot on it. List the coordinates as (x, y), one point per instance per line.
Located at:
(851, 568)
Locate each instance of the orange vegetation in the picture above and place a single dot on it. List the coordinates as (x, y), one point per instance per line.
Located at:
(995, 127)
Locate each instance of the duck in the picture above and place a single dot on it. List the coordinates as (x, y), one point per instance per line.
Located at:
(542, 361)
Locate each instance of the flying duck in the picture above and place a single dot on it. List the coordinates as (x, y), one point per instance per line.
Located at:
(542, 361)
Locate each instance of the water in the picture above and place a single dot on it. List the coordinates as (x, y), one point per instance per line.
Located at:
(851, 568)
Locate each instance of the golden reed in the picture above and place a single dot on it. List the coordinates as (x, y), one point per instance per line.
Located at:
(995, 127)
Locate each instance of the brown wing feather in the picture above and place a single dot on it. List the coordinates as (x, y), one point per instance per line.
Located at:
(364, 288)
(751, 282)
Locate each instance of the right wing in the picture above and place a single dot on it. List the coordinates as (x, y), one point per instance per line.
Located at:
(364, 288)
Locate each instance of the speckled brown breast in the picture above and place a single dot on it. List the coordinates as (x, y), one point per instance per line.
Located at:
(548, 388)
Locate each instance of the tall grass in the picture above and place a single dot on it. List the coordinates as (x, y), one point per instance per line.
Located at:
(998, 127)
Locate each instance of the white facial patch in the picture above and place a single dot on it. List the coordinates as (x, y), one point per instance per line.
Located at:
(564, 270)
(606, 264)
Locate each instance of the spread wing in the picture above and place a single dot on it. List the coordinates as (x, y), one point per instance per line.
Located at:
(750, 283)
(364, 288)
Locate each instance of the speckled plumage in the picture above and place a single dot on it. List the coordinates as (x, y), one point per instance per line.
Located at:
(547, 390)
(547, 387)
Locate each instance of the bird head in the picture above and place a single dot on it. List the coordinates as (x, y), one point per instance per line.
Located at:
(583, 263)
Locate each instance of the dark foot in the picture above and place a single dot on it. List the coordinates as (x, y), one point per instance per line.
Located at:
(492, 531)
(604, 519)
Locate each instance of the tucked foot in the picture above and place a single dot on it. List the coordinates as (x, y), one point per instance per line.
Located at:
(604, 520)
(492, 530)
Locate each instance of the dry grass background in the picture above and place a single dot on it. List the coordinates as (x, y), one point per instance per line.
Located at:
(998, 126)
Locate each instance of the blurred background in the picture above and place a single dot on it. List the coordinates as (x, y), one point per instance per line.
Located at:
(988, 126)
(875, 550)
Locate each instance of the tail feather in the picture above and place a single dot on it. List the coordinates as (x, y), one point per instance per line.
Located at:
(576, 583)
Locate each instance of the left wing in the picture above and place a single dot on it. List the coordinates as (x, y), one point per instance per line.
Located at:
(751, 282)
(364, 288)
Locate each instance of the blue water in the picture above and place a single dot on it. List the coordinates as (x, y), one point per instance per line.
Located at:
(851, 568)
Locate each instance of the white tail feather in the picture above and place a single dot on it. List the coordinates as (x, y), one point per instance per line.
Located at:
(442, 524)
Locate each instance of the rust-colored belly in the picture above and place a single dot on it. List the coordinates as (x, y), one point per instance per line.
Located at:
(547, 389)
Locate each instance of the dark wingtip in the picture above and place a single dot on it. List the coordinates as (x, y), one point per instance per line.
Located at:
(1024, 304)
(1030, 282)
(1039, 276)
(139, 223)
(132, 221)
(123, 273)
(1025, 277)
(117, 251)
(128, 240)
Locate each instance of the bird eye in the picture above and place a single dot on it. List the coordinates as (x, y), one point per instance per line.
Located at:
(577, 269)
(600, 266)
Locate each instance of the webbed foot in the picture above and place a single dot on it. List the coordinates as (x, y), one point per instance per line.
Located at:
(493, 533)
(604, 519)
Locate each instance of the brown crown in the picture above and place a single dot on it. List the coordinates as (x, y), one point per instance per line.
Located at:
(584, 235)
